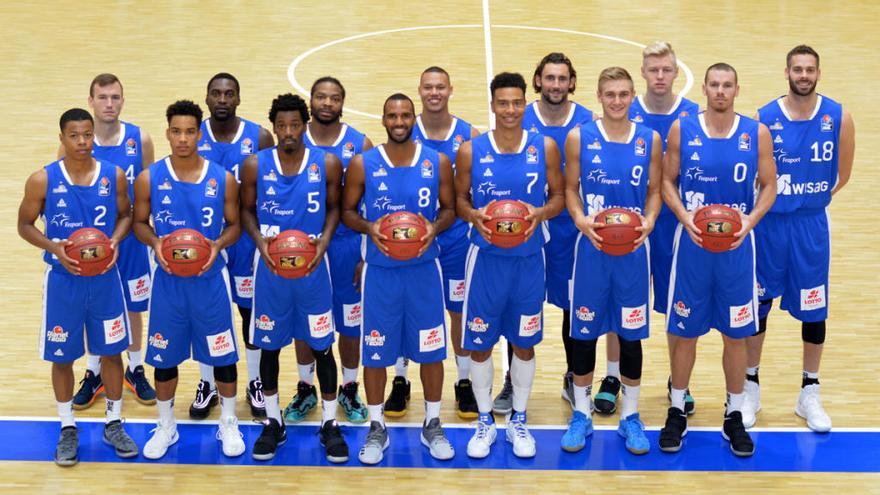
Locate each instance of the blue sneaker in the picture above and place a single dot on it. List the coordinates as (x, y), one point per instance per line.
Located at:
(632, 429)
(305, 400)
(137, 382)
(579, 428)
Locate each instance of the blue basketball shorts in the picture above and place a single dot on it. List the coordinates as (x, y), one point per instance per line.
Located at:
(344, 253)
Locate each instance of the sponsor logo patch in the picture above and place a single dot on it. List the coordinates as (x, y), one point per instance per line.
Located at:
(114, 330)
(456, 290)
(432, 339)
(813, 298)
(477, 325)
(139, 289)
(583, 313)
(244, 287)
(529, 325)
(159, 342)
(681, 309)
(741, 316)
(57, 335)
(374, 339)
(264, 323)
(221, 344)
(321, 325)
(633, 318)
(352, 314)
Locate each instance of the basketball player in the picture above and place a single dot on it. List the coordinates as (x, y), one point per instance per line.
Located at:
(227, 140)
(131, 148)
(715, 157)
(327, 132)
(504, 287)
(72, 193)
(440, 130)
(193, 314)
(553, 115)
(402, 300)
(612, 163)
(296, 187)
(658, 108)
(814, 144)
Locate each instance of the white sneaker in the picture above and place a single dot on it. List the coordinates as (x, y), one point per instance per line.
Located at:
(230, 437)
(480, 444)
(164, 436)
(523, 441)
(751, 404)
(809, 407)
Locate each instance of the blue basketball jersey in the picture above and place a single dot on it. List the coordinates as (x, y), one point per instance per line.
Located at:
(70, 207)
(521, 176)
(718, 170)
(533, 122)
(233, 154)
(127, 153)
(389, 189)
(188, 205)
(662, 122)
(349, 144)
(806, 153)
(287, 202)
(614, 175)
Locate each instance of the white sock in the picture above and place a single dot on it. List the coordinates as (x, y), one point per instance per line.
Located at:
(93, 364)
(677, 396)
(735, 402)
(253, 363)
(376, 413)
(166, 412)
(401, 367)
(65, 413)
(328, 412)
(629, 400)
(432, 410)
(114, 410)
(306, 372)
(135, 359)
(582, 399)
(207, 374)
(273, 410)
(227, 407)
(752, 371)
(614, 369)
(812, 375)
(349, 375)
(522, 374)
(463, 365)
(481, 373)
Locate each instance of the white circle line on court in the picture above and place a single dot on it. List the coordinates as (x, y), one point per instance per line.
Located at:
(291, 69)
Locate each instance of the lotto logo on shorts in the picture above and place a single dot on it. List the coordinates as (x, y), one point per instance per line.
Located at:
(682, 310)
(158, 341)
(529, 325)
(264, 323)
(813, 298)
(57, 335)
(741, 316)
(477, 325)
(632, 318)
(221, 344)
(139, 289)
(584, 314)
(320, 325)
(244, 287)
(114, 330)
(456, 290)
(352, 314)
(432, 339)
(374, 339)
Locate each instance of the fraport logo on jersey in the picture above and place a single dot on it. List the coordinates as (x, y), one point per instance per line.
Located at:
(374, 339)
(384, 203)
(488, 188)
(596, 145)
(826, 124)
(139, 288)
(640, 147)
(745, 142)
(314, 173)
(741, 316)
(220, 344)
(264, 323)
(477, 325)
(274, 208)
(158, 341)
(211, 188)
(114, 330)
(131, 147)
(813, 298)
(529, 325)
(584, 314)
(165, 186)
(352, 314)
(682, 310)
(456, 290)
(321, 325)
(427, 170)
(104, 187)
(432, 339)
(348, 150)
(247, 146)
(633, 318)
(696, 141)
(532, 154)
(57, 335)
(59, 189)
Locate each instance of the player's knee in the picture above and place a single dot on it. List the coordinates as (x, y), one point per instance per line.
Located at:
(813, 332)
(269, 368)
(763, 311)
(631, 359)
(226, 374)
(583, 359)
(165, 374)
(326, 370)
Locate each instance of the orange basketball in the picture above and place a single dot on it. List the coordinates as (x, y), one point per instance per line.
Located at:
(186, 251)
(508, 223)
(618, 230)
(292, 252)
(717, 224)
(91, 248)
(404, 231)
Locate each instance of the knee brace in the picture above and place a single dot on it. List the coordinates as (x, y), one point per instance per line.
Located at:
(631, 359)
(269, 369)
(245, 314)
(226, 374)
(326, 368)
(813, 332)
(583, 356)
(764, 311)
(165, 374)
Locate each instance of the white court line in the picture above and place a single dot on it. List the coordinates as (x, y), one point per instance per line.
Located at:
(490, 71)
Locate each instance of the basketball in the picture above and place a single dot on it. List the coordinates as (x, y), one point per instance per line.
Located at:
(717, 224)
(91, 248)
(618, 230)
(403, 231)
(292, 252)
(508, 223)
(186, 251)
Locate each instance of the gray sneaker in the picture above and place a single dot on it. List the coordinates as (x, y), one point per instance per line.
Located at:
(377, 442)
(116, 436)
(68, 443)
(568, 389)
(504, 400)
(435, 439)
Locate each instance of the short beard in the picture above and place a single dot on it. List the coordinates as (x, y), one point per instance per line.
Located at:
(551, 102)
(794, 89)
(321, 121)
(401, 141)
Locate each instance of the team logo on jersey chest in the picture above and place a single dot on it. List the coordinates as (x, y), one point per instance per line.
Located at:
(745, 142)
(348, 150)
(683, 113)
(640, 148)
(131, 147)
(826, 124)
(247, 146)
(638, 119)
(211, 188)
(532, 154)
(104, 187)
(314, 173)
(456, 142)
(427, 169)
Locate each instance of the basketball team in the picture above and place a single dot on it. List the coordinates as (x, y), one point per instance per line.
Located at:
(298, 228)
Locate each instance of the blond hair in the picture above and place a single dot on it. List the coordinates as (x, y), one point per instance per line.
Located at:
(658, 49)
(614, 74)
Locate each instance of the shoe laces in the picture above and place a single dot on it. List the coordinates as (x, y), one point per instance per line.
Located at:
(302, 392)
(258, 391)
(228, 428)
(376, 436)
(519, 429)
(633, 426)
(482, 430)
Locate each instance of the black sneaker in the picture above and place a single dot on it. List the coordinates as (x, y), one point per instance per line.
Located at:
(333, 443)
(273, 436)
(606, 399)
(690, 405)
(137, 382)
(395, 406)
(674, 431)
(68, 443)
(255, 398)
(91, 387)
(206, 398)
(465, 402)
(734, 432)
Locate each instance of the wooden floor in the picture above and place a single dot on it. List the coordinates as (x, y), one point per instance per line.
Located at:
(163, 53)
